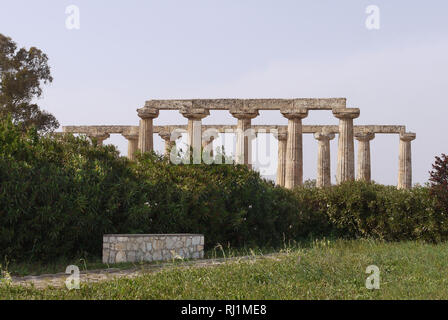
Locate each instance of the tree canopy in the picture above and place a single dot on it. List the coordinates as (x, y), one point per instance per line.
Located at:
(22, 73)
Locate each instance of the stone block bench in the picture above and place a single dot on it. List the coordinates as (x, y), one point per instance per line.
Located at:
(119, 248)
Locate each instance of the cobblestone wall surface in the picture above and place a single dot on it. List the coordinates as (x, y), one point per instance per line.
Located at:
(151, 247)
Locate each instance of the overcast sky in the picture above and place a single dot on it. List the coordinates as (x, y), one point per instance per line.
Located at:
(130, 51)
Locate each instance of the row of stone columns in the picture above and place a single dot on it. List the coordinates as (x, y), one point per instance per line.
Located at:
(290, 167)
(323, 161)
(364, 163)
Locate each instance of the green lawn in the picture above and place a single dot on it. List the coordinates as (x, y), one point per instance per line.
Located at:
(326, 270)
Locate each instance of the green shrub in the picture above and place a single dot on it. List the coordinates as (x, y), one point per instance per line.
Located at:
(361, 209)
(439, 183)
(59, 195)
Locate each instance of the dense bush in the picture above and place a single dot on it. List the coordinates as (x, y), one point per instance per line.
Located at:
(58, 196)
(360, 209)
(439, 183)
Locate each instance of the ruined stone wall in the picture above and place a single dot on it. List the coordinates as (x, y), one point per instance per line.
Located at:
(151, 247)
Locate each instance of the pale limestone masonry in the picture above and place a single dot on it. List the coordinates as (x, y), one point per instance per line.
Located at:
(194, 129)
(244, 116)
(145, 138)
(118, 248)
(323, 159)
(346, 153)
(99, 138)
(290, 153)
(364, 167)
(294, 149)
(281, 136)
(405, 161)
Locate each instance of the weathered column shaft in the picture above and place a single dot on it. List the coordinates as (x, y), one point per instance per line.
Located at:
(294, 151)
(243, 143)
(208, 143)
(405, 161)
(132, 145)
(364, 165)
(281, 162)
(244, 136)
(346, 155)
(146, 139)
(323, 178)
(166, 136)
(194, 129)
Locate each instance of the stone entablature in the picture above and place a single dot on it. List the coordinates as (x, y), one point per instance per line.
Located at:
(118, 248)
(257, 104)
(133, 130)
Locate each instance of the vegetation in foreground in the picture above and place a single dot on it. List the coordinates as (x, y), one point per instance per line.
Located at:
(327, 270)
(59, 195)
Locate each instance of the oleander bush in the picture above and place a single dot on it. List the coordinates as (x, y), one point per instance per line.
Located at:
(60, 194)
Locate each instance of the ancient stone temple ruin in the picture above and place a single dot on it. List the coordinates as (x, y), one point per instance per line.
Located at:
(290, 151)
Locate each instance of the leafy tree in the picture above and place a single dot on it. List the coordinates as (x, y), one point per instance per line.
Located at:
(439, 182)
(22, 73)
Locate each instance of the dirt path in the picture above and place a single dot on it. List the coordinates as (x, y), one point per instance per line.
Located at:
(57, 280)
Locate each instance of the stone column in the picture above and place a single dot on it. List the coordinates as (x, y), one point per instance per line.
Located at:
(166, 136)
(294, 152)
(281, 160)
(405, 161)
(195, 116)
(323, 159)
(244, 136)
(145, 139)
(98, 138)
(363, 168)
(208, 142)
(132, 145)
(346, 154)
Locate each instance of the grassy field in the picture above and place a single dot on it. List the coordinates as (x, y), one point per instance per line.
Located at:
(324, 270)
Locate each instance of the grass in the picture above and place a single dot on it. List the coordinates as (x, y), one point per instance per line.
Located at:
(93, 263)
(325, 270)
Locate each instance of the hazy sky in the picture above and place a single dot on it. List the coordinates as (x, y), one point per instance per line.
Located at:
(130, 51)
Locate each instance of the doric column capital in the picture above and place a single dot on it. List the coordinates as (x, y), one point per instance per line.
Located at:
(99, 136)
(349, 113)
(408, 136)
(294, 113)
(165, 135)
(148, 113)
(281, 134)
(244, 114)
(129, 136)
(324, 136)
(365, 136)
(244, 109)
(194, 113)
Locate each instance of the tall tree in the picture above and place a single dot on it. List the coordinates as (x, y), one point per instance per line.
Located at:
(22, 72)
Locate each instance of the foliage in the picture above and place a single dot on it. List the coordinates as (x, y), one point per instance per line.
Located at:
(59, 195)
(22, 72)
(439, 183)
(369, 210)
